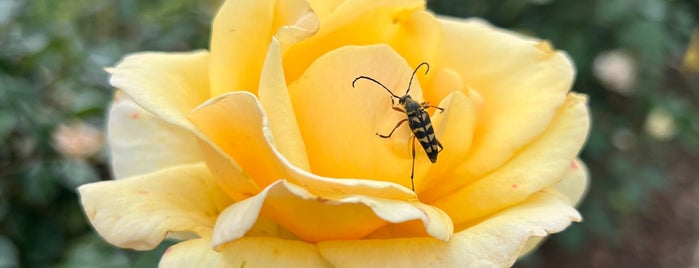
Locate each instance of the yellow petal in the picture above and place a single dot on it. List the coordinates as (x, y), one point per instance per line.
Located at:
(531, 245)
(227, 172)
(539, 165)
(521, 81)
(268, 228)
(133, 131)
(337, 14)
(193, 253)
(442, 230)
(315, 218)
(495, 242)
(573, 186)
(541, 214)
(169, 85)
(306, 26)
(228, 121)
(403, 25)
(418, 39)
(138, 212)
(339, 122)
(574, 183)
(274, 97)
(245, 252)
(444, 81)
(239, 134)
(324, 8)
(454, 129)
(238, 46)
(240, 37)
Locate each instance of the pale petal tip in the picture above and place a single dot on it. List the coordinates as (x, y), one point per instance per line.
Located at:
(437, 223)
(546, 47)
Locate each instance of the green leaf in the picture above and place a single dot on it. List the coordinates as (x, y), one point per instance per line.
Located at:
(7, 124)
(92, 251)
(76, 172)
(9, 256)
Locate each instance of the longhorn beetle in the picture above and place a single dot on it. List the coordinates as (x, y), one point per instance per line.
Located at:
(418, 121)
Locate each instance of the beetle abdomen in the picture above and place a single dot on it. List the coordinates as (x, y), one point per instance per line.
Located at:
(421, 125)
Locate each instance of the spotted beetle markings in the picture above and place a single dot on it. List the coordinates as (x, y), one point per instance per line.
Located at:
(418, 121)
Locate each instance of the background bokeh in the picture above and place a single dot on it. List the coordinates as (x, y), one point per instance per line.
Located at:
(635, 59)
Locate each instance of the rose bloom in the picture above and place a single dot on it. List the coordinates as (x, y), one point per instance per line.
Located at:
(261, 153)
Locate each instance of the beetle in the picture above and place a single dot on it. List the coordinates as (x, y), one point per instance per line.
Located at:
(418, 120)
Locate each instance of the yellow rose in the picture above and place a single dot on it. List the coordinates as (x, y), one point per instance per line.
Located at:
(260, 153)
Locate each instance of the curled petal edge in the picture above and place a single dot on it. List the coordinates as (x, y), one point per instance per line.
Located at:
(236, 220)
(494, 242)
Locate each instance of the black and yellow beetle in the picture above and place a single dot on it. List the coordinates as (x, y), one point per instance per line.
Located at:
(418, 120)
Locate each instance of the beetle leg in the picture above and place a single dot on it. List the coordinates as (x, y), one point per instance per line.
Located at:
(426, 105)
(398, 109)
(394, 129)
(412, 170)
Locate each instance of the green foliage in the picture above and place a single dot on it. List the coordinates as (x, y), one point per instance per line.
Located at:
(52, 60)
(52, 55)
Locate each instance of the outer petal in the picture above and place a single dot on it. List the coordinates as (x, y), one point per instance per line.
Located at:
(345, 131)
(573, 185)
(238, 129)
(245, 252)
(169, 85)
(403, 25)
(274, 96)
(138, 212)
(193, 253)
(315, 218)
(236, 39)
(520, 95)
(539, 165)
(494, 242)
(134, 131)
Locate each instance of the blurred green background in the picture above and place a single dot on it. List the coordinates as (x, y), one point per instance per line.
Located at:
(642, 209)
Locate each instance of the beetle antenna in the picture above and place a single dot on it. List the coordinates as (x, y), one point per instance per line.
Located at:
(415, 71)
(374, 80)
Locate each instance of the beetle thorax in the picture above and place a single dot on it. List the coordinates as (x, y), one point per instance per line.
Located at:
(404, 99)
(409, 104)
